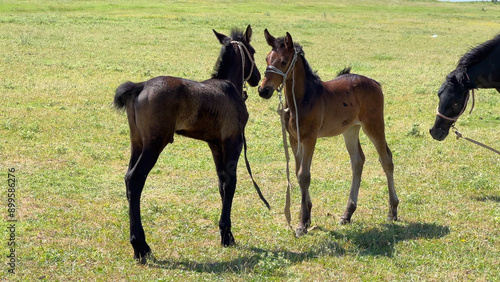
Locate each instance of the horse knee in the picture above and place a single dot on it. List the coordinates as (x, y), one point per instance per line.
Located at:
(304, 178)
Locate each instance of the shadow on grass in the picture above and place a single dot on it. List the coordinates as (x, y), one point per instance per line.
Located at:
(376, 241)
(493, 198)
(260, 261)
(382, 239)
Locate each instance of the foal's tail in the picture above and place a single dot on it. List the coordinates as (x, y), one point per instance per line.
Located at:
(125, 92)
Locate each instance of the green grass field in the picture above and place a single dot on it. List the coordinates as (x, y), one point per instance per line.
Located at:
(61, 62)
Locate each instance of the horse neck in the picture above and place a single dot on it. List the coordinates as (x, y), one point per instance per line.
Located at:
(295, 85)
(237, 71)
(236, 77)
(233, 71)
(486, 74)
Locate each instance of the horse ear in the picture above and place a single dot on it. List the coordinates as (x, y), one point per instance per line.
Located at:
(288, 41)
(269, 38)
(248, 34)
(222, 38)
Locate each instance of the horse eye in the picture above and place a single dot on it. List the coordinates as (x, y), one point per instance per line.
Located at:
(283, 63)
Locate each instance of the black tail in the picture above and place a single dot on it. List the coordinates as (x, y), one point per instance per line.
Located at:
(126, 91)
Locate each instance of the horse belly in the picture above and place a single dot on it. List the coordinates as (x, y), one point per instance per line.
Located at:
(338, 126)
(339, 117)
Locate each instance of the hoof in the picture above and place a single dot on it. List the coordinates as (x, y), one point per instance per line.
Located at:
(344, 221)
(393, 214)
(300, 231)
(392, 217)
(345, 218)
(142, 251)
(226, 237)
(144, 258)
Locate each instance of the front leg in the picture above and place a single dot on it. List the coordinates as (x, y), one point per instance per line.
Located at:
(303, 160)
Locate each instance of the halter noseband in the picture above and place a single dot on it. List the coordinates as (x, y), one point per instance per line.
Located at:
(242, 47)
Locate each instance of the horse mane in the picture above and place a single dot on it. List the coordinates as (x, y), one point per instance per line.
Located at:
(478, 53)
(313, 81)
(474, 56)
(224, 63)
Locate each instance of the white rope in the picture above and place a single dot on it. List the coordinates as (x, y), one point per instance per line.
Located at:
(291, 67)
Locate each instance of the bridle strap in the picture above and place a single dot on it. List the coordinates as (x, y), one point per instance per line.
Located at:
(242, 47)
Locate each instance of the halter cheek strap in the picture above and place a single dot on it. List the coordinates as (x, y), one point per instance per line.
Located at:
(242, 48)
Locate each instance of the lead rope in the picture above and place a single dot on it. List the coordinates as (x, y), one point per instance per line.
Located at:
(281, 112)
(242, 47)
(286, 210)
(459, 135)
(250, 172)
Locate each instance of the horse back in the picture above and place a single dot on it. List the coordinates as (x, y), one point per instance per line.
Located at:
(210, 110)
(348, 100)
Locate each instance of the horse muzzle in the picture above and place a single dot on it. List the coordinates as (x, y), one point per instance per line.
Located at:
(438, 133)
(441, 128)
(266, 92)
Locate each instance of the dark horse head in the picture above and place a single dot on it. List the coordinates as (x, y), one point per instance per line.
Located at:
(236, 50)
(453, 97)
(479, 68)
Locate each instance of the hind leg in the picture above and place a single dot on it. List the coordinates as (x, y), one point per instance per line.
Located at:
(351, 139)
(227, 238)
(385, 157)
(135, 180)
(226, 158)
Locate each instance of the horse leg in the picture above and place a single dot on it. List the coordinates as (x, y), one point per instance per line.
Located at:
(218, 157)
(227, 238)
(304, 159)
(385, 158)
(134, 181)
(351, 139)
(231, 150)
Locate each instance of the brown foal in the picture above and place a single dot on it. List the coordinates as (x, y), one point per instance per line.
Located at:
(315, 109)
